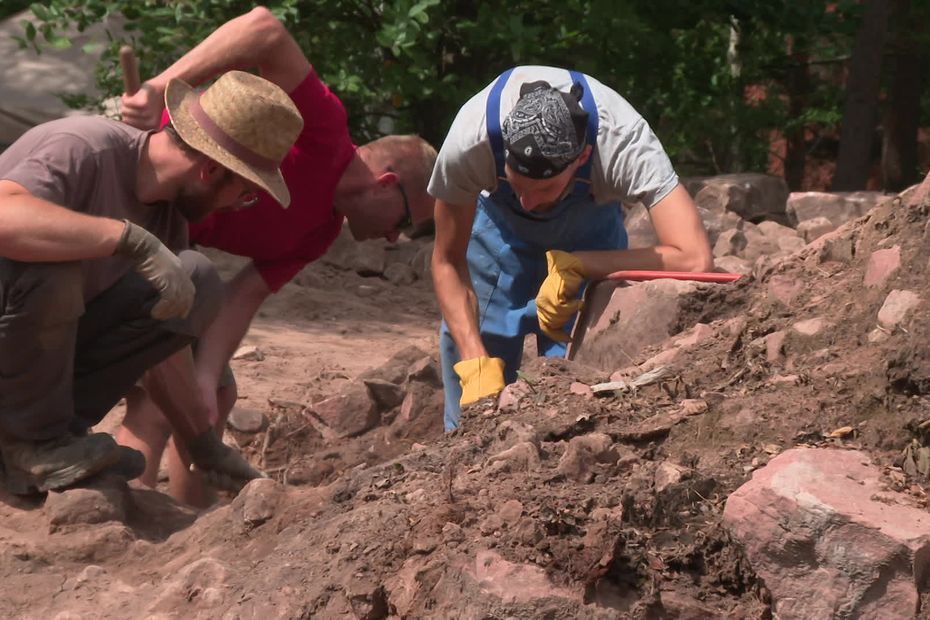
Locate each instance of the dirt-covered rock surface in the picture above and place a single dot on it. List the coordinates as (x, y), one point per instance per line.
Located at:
(581, 493)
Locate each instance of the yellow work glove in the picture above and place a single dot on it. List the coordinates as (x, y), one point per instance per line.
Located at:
(557, 299)
(480, 377)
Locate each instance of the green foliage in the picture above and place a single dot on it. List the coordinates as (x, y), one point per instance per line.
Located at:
(408, 65)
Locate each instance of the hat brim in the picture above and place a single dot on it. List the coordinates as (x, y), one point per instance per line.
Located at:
(178, 98)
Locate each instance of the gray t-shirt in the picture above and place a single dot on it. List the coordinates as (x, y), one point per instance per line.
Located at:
(629, 166)
(89, 164)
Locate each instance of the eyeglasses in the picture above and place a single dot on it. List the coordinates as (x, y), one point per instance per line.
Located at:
(405, 224)
(247, 197)
(246, 200)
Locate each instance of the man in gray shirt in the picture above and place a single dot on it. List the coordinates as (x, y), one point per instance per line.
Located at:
(92, 293)
(529, 185)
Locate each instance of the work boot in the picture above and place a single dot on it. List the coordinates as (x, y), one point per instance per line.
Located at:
(131, 464)
(221, 466)
(39, 466)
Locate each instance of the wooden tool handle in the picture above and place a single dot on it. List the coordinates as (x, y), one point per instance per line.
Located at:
(127, 59)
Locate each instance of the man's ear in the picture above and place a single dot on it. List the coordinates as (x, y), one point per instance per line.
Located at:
(585, 154)
(210, 172)
(386, 179)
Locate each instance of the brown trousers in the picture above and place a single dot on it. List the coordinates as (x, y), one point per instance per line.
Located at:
(63, 366)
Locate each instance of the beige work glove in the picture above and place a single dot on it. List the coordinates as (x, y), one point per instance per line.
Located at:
(162, 268)
(557, 299)
(479, 377)
(221, 466)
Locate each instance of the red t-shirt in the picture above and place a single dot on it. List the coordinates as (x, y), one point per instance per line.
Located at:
(282, 241)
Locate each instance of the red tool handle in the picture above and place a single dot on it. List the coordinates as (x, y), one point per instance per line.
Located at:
(641, 276)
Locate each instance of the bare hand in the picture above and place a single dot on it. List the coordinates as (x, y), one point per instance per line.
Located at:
(143, 109)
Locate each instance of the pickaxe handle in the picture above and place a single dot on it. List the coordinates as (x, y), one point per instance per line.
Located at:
(131, 80)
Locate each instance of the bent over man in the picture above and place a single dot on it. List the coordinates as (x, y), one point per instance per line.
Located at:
(528, 185)
(378, 188)
(91, 292)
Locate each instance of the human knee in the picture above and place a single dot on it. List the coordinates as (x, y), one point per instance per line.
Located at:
(208, 297)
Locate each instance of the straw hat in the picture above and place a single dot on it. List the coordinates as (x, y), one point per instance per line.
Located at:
(243, 122)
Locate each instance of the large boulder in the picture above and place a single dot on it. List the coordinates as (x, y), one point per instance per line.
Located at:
(829, 539)
(623, 320)
(752, 196)
(837, 207)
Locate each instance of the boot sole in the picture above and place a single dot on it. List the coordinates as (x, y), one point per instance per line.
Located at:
(23, 483)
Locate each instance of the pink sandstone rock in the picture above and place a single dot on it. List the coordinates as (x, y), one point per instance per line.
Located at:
(784, 289)
(809, 327)
(774, 346)
(815, 228)
(828, 539)
(350, 413)
(897, 305)
(882, 265)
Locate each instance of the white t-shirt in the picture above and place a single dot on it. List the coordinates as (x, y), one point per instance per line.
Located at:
(629, 166)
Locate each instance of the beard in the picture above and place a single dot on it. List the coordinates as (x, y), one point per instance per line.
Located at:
(194, 204)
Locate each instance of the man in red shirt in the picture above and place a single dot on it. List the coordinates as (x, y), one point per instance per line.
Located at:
(379, 188)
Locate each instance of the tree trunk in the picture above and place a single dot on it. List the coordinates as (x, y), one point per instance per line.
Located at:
(798, 86)
(902, 112)
(860, 112)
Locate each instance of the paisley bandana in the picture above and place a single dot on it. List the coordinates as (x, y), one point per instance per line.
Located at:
(545, 131)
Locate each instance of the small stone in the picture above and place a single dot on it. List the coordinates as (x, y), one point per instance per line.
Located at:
(366, 290)
(896, 307)
(102, 503)
(249, 354)
(258, 501)
(668, 474)
(809, 327)
(246, 420)
(881, 266)
(774, 346)
(511, 511)
(581, 389)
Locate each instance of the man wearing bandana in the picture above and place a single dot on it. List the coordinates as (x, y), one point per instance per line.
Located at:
(529, 185)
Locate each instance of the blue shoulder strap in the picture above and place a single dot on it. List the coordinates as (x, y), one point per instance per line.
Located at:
(587, 102)
(493, 114)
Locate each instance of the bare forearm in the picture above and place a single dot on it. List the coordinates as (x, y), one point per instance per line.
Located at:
(254, 40)
(662, 258)
(459, 308)
(35, 230)
(682, 244)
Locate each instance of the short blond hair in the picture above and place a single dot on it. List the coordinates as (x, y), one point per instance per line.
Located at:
(410, 156)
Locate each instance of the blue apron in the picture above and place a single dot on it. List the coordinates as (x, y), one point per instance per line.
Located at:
(506, 255)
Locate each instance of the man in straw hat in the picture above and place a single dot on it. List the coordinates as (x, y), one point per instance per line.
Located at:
(379, 189)
(528, 188)
(91, 291)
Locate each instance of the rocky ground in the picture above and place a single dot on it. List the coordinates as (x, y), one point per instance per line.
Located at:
(588, 490)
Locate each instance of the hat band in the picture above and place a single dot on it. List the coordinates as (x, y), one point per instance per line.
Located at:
(235, 148)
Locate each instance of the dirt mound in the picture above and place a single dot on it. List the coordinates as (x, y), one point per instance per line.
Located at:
(563, 499)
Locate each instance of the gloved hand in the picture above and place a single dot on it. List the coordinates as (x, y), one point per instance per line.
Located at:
(479, 377)
(144, 108)
(161, 268)
(557, 299)
(221, 466)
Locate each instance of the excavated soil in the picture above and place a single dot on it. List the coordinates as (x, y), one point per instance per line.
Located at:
(555, 502)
